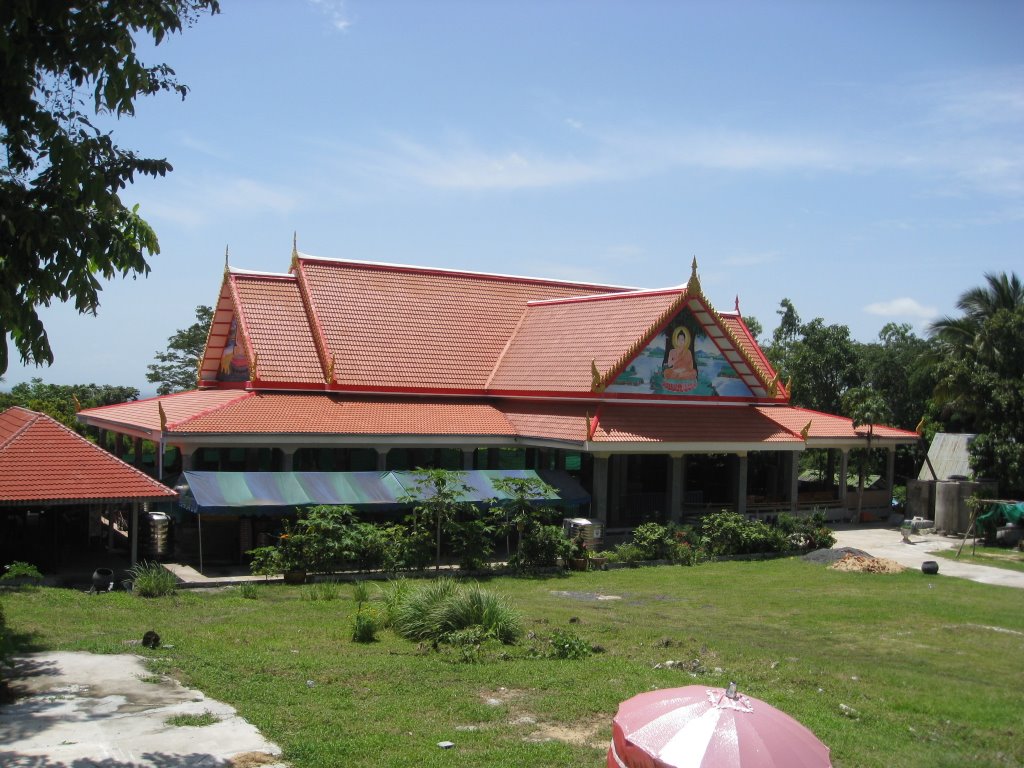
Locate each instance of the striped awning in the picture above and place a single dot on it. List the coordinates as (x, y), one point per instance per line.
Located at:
(272, 493)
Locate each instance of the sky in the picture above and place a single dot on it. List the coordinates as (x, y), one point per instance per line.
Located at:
(863, 159)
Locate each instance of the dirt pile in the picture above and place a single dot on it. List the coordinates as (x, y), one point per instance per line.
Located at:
(866, 564)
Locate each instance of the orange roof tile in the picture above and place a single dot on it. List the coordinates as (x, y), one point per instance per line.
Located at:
(144, 415)
(319, 413)
(558, 343)
(418, 328)
(825, 426)
(277, 328)
(689, 424)
(42, 461)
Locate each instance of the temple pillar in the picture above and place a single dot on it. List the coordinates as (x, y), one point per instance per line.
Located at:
(288, 459)
(676, 486)
(794, 482)
(741, 482)
(135, 533)
(186, 457)
(890, 470)
(468, 457)
(382, 459)
(844, 470)
(599, 493)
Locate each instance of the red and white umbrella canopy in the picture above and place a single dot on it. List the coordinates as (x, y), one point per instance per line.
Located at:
(700, 727)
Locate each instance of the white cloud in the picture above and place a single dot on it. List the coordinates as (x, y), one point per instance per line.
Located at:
(194, 202)
(901, 308)
(335, 12)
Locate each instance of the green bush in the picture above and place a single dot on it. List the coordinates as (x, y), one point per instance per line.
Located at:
(653, 540)
(249, 591)
(442, 606)
(365, 625)
(807, 533)
(566, 644)
(540, 547)
(628, 553)
(730, 533)
(19, 570)
(152, 580)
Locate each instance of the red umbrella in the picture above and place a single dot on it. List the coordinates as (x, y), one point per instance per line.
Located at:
(699, 727)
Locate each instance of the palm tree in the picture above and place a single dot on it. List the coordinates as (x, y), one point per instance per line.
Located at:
(978, 305)
(866, 408)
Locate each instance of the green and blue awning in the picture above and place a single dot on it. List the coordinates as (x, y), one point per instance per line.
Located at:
(273, 493)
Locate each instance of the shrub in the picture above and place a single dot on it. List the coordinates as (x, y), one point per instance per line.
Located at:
(628, 553)
(729, 533)
(249, 591)
(360, 592)
(19, 570)
(365, 625)
(653, 540)
(807, 533)
(152, 580)
(566, 644)
(540, 547)
(471, 540)
(433, 610)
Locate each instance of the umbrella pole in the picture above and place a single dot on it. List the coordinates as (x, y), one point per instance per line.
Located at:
(199, 518)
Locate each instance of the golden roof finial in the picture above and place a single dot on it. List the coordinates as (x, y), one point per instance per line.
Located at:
(773, 386)
(77, 402)
(252, 367)
(595, 377)
(330, 371)
(295, 251)
(693, 286)
(737, 303)
(789, 386)
(805, 431)
(226, 266)
(163, 416)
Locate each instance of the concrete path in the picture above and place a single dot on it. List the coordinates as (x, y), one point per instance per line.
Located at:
(888, 543)
(78, 709)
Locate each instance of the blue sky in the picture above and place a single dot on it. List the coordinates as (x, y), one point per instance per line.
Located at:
(863, 159)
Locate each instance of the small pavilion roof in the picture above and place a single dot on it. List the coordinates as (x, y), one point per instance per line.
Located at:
(44, 462)
(823, 428)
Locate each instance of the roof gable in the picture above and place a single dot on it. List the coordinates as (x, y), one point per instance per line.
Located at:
(42, 461)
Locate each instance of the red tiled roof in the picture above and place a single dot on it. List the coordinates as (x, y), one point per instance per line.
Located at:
(320, 413)
(145, 414)
(691, 424)
(277, 328)
(825, 426)
(558, 343)
(42, 461)
(750, 349)
(412, 328)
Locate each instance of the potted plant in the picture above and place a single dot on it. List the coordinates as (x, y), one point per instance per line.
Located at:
(580, 554)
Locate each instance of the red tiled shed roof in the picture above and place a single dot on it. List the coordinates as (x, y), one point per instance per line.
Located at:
(320, 413)
(558, 343)
(825, 426)
(144, 415)
(44, 462)
(415, 328)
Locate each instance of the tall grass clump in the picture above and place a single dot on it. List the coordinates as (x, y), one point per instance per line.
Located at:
(360, 592)
(321, 590)
(150, 579)
(436, 610)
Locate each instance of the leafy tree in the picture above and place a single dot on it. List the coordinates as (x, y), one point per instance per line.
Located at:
(823, 364)
(59, 400)
(754, 326)
(865, 407)
(900, 367)
(438, 495)
(177, 369)
(62, 222)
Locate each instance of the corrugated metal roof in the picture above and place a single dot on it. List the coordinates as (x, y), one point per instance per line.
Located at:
(948, 455)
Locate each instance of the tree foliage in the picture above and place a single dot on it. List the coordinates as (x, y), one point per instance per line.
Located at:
(59, 400)
(63, 225)
(177, 369)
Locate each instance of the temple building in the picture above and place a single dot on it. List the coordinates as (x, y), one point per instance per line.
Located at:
(657, 404)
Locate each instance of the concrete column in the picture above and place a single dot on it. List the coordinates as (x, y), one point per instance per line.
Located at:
(794, 482)
(599, 493)
(382, 459)
(493, 458)
(101, 439)
(890, 470)
(468, 455)
(135, 532)
(288, 459)
(186, 457)
(676, 489)
(844, 469)
(741, 483)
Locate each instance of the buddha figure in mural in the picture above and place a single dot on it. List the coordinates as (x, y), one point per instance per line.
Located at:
(680, 373)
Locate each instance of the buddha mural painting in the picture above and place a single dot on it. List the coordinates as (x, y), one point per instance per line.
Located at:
(679, 371)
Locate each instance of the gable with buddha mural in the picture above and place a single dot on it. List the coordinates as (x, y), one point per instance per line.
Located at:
(681, 360)
(234, 363)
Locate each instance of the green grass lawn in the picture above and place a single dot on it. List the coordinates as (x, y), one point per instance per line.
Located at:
(888, 670)
(997, 557)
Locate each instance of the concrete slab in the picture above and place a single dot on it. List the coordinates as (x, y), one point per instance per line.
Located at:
(78, 709)
(888, 543)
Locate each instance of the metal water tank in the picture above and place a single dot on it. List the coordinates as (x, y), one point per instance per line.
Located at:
(156, 535)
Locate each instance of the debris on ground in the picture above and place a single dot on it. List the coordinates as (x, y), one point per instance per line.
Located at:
(867, 564)
(829, 556)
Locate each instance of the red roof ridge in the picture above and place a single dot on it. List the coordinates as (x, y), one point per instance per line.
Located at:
(32, 416)
(624, 294)
(315, 326)
(391, 267)
(505, 349)
(242, 329)
(244, 394)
